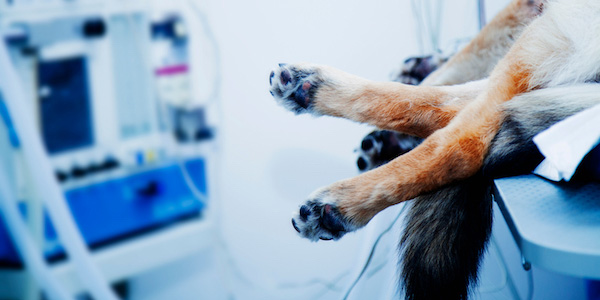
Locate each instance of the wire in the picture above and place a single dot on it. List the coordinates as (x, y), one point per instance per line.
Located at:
(372, 252)
(164, 115)
(213, 97)
(438, 23)
(507, 279)
(273, 289)
(209, 33)
(428, 20)
(530, 284)
(504, 275)
(331, 285)
(481, 13)
(416, 7)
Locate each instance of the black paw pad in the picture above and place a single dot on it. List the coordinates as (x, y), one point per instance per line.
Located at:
(381, 146)
(304, 213)
(366, 144)
(331, 219)
(285, 77)
(319, 221)
(294, 87)
(302, 95)
(362, 163)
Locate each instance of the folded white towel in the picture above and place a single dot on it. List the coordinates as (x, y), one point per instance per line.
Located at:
(566, 143)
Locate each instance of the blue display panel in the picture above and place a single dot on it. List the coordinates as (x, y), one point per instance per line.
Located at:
(119, 208)
(65, 110)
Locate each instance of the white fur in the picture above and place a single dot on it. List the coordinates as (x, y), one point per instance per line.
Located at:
(564, 44)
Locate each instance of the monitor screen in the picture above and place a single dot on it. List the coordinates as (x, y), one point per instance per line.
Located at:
(65, 108)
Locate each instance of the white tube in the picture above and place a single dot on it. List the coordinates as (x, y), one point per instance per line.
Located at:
(23, 240)
(45, 182)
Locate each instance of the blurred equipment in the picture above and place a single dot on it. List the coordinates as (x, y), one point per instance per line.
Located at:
(107, 85)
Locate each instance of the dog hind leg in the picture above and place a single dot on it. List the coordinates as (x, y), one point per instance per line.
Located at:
(477, 60)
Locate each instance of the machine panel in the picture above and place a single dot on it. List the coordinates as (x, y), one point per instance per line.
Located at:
(119, 208)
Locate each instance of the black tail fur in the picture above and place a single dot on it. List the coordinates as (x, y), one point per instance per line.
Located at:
(444, 240)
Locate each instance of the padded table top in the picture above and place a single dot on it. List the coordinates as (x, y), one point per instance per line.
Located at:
(556, 225)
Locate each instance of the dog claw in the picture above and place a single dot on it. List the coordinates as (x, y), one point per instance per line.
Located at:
(295, 226)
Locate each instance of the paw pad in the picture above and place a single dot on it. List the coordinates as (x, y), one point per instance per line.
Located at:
(381, 146)
(293, 87)
(320, 221)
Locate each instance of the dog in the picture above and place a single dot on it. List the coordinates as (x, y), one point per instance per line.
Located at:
(536, 63)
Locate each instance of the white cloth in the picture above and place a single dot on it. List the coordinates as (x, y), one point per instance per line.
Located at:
(566, 143)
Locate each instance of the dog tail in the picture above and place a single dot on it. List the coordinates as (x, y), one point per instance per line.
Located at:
(444, 240)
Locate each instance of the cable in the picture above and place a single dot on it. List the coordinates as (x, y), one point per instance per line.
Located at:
(507, 279)
(481, 13)
(428, 20)
(275, 289)
(530, 284)
(209, 33)
(416, 7)
(438, 24)
(372, 252)
(331, 285)
(43, 177)
(503, 269)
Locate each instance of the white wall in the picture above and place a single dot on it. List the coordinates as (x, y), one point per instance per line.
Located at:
(272, 159)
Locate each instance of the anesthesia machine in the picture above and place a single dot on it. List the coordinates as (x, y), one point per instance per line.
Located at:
(103, 143)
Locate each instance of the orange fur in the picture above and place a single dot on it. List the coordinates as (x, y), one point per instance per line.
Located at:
(385, 105)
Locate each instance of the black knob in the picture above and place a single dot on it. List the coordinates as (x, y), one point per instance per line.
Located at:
(203, 134)
(149, 190)
(61, 175)
(93, 168)
(109, 163)
(94, 28)
(78, 172)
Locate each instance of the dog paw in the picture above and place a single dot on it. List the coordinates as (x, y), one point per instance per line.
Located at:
(320, 220)
(381, 146)
(294, 86)
(414, 69)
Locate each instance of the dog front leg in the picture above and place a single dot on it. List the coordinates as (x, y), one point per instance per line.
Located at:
(323, 90)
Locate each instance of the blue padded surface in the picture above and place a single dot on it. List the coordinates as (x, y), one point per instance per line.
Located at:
(556, 225)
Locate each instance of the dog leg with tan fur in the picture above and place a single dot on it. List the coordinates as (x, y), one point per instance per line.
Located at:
(477, 60)
(323, 90)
